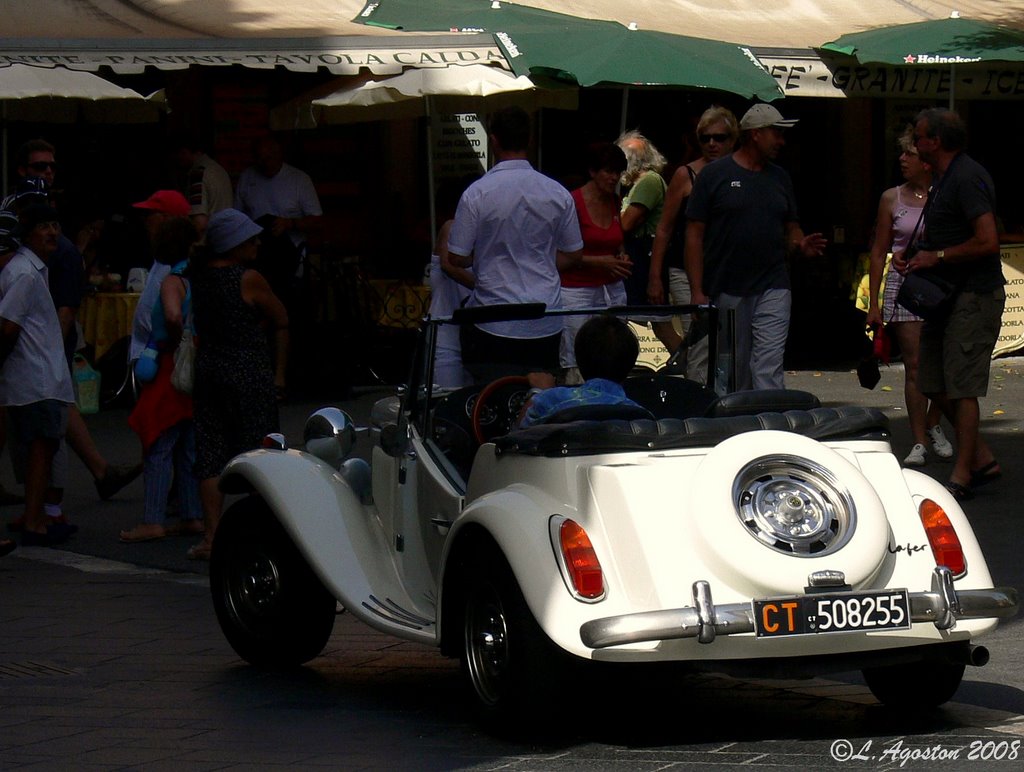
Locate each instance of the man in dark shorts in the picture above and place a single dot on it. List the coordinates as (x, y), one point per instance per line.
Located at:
(35, 383)
(961, 243)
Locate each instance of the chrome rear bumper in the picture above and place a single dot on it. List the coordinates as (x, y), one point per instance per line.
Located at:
(942, 606)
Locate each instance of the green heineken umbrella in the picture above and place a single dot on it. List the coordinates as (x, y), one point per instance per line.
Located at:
(939, 41)
(607, 52)
(585, 51)
(956, 42)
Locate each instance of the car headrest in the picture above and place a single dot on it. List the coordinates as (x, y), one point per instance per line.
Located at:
(669, 396)
(761, 401)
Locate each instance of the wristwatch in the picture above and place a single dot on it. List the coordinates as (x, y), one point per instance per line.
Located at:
(941, 254)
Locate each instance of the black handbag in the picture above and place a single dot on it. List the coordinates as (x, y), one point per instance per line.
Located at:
(927, 295)
(924, 292)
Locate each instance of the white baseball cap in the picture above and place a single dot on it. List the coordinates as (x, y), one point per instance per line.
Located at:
(761, 116)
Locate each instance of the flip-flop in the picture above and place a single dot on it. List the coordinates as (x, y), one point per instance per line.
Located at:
(960, 492)
(135, 536)
(986, 474)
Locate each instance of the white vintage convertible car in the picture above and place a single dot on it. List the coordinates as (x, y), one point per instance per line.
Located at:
(750, 533)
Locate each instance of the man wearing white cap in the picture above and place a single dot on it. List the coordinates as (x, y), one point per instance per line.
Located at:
(742, 225)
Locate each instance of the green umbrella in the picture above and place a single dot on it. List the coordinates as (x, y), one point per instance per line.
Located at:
(939, 41)
(957, 42)
(585, 51)
(607, 52)
(455, 15)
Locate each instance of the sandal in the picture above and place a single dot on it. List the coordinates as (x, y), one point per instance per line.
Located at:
(959, 492)
(199, 551)
(987, 474)
(141, 533)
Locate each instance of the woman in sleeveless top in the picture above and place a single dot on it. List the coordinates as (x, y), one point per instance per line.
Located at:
(597, 281)
(450, 287)
(899, 211)
(237, 385)
(163, 415)
(717, 131)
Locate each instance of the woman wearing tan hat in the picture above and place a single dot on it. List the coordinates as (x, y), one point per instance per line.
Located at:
(236, 383)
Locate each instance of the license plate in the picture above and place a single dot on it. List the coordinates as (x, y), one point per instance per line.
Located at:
(832, 613)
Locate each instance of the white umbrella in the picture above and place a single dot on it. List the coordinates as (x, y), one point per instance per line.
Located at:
(470, 88)
(457, 89)
(59, 95)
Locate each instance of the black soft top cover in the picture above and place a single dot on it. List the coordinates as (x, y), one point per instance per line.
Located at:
(582, 438)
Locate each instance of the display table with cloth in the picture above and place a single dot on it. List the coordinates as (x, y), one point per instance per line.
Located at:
(106, 317)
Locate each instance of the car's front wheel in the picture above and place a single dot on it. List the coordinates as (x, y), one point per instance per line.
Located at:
(273, 609)
(915, 685)
(512, 665)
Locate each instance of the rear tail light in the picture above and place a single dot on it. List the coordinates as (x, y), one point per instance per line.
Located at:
(942, 537)
(584, 571)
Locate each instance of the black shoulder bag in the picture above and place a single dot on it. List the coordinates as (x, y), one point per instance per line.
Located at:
(924, 293)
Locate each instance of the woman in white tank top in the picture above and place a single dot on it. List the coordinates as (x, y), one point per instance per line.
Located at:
(899, 211)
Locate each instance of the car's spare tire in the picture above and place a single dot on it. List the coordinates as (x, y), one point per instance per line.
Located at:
(773, 507)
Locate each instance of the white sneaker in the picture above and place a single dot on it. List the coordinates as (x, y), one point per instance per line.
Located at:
(942, 447)
(916, 456)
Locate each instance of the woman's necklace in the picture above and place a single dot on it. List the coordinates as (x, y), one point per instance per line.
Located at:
(919, 195)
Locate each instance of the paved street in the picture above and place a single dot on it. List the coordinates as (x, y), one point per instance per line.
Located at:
(112, 659)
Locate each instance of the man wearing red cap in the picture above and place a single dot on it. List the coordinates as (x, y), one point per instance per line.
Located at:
(160, 207)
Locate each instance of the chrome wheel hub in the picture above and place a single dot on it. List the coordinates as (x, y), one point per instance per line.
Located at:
(794, 505)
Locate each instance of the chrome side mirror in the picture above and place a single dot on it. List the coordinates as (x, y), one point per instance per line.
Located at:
(330, 435)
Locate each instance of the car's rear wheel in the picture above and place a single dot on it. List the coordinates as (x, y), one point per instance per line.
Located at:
(273, 609)
(512, 665)
(916, 685)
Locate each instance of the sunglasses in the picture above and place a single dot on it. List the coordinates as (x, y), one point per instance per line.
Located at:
(719, 138)
(42, 166)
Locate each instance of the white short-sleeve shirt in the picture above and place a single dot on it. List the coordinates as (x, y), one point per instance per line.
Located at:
(514, 220)
(289, 193)
(36, 368)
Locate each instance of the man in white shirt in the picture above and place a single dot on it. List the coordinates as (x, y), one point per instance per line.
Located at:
(282, 200)
(517, 228)
(279, 197)
(35, 383)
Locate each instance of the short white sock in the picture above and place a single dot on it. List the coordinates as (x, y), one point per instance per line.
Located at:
(52, 510)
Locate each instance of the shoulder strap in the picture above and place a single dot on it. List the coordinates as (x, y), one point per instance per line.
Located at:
(186, 304)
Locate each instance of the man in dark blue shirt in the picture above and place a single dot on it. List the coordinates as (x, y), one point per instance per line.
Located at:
(961, 243)
(742, 225)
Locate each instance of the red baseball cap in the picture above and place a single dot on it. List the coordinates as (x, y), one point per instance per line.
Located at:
(167, 202)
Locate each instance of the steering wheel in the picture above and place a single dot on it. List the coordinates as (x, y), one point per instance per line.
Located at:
(502, 422)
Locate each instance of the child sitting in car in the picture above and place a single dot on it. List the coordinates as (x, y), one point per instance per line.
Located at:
(606, 351)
